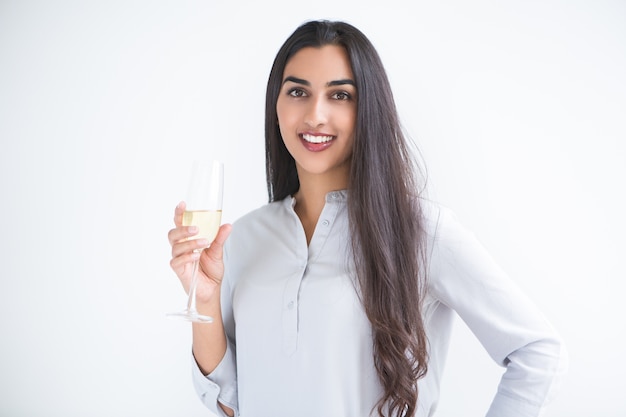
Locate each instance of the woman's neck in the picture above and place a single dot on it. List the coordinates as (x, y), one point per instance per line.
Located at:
(311, 198)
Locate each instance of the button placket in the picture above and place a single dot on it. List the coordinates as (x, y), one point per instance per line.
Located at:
(322, 231)
(290, 314)
(305, 254)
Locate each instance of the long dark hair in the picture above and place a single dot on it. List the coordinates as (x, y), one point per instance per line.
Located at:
(384, 211)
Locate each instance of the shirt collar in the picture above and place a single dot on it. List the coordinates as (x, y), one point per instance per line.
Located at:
(339, 196)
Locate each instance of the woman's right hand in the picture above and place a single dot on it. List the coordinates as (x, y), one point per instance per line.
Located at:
(211, 265)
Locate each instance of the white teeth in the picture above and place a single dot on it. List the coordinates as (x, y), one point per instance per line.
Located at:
(317, 139)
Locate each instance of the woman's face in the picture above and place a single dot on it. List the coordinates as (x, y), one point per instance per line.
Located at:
(316, 111)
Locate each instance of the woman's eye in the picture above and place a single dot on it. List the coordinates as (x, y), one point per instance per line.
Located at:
(296, 92)
(341, 95)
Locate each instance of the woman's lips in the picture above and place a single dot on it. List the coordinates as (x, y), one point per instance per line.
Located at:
(316, 143)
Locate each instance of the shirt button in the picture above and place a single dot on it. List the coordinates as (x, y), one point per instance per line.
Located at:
(290, 305)
(325, 222)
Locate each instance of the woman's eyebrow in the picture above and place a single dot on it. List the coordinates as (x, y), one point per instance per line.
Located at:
(328, 84)
(340, 82)
(296, 80)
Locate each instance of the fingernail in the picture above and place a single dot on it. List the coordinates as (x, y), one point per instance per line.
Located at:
(193, 229)
(195, 255)
(202, 242)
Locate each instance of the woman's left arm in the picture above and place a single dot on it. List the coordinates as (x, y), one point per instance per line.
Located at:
(508, 324)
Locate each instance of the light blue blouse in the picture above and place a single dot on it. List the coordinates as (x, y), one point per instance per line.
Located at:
(300, 343)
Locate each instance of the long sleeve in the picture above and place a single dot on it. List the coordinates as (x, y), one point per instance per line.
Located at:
(221, 384)
(510, 327)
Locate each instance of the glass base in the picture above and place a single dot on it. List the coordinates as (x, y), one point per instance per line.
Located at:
(192, 316)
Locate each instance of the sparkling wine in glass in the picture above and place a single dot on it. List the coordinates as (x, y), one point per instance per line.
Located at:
(204, 210)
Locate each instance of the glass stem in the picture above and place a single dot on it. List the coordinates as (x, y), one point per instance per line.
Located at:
(191, 303)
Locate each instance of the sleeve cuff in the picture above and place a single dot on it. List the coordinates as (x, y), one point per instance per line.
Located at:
(220, 385)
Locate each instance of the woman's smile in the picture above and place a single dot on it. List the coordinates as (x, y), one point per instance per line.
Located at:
(317, 142)
(312, 138)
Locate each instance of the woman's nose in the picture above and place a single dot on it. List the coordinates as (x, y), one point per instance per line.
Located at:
(317, 112)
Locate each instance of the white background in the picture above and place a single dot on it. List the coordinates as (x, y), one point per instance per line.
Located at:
(518, 107)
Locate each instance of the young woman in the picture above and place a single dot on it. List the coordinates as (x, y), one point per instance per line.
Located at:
(337, 298)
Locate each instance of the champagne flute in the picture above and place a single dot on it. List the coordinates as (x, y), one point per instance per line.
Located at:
(204, 210)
